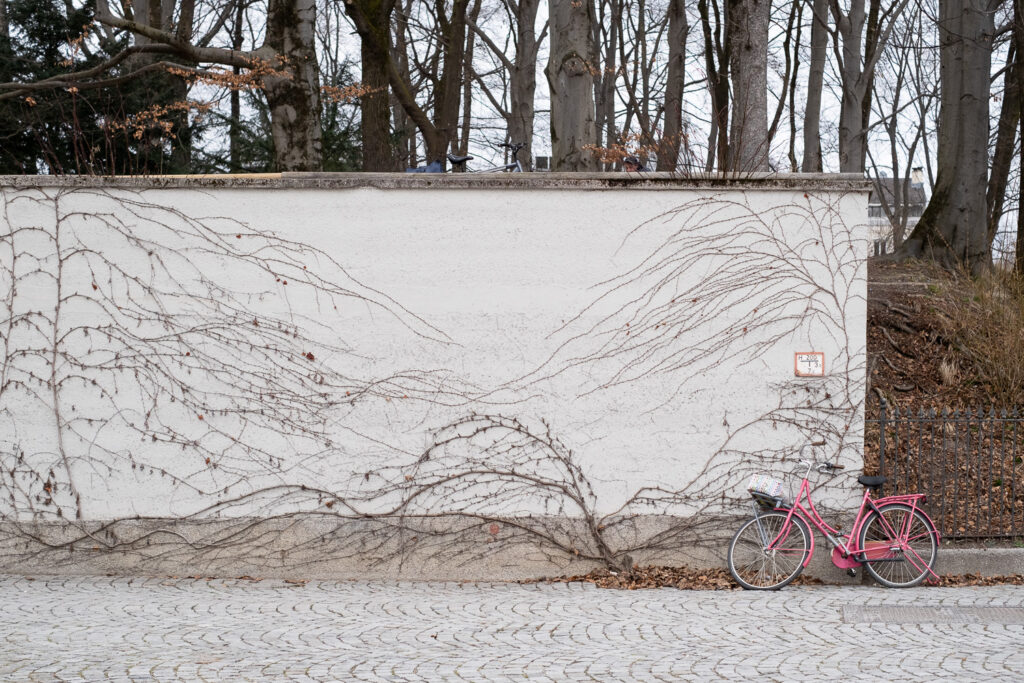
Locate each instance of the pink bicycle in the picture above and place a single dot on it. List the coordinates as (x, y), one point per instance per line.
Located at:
(892, 537)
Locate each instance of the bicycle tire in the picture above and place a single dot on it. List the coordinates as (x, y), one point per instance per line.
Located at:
(755, 568)
(922, 539)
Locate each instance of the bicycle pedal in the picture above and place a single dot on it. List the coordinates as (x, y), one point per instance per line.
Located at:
(851, 572)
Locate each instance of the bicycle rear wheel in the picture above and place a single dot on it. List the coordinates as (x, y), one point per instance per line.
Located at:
(756, 563)
(908, 556)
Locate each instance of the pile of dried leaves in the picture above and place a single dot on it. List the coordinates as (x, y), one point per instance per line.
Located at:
(682, 578)
(953, 581)
(685, 578)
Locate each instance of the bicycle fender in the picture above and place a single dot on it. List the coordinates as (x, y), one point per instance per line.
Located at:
(914, 500)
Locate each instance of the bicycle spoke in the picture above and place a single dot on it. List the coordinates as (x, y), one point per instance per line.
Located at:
(910, 551)
(757, 564)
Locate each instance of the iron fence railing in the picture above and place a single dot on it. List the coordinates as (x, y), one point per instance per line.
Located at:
(968, 463)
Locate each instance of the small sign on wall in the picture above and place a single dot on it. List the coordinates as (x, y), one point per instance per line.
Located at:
(809, 363)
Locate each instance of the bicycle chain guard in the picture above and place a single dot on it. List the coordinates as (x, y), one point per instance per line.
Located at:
(843, 562)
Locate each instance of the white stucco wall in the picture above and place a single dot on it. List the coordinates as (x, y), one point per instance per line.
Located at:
(651, 325)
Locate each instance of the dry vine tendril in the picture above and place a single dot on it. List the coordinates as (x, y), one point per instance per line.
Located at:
(159, 371)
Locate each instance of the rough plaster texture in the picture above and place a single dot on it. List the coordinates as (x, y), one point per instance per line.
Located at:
(581, 302)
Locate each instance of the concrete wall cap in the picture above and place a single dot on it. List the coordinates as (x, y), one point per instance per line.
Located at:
(828, 182)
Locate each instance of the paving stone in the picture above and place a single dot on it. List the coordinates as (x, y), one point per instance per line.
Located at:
(134, 629)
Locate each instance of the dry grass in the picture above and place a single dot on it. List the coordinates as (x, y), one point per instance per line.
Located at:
(985, 318)
(942, 340)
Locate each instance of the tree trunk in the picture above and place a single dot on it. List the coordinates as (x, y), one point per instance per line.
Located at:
(954, 226)
(570, 77)
(5, 27)
(181, 145)
(159, 14)
(1018, 36)
(1018, 264)
(404, 127)
(672, 130)
(289, 47)
(523, 81)
(440, 131)
(874, 41)
(790, 50)
(181, 149)
(467, 84)
(606, 130)
(747, 24)
(294, 99)
(815, 80)
(794, 80)
(234, 129)
(857, 59)
(1006, 135)
(374, 109)
(852, 137)
(716, 62)
(449, 86)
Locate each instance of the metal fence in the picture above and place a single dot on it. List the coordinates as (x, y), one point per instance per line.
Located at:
(968, 463)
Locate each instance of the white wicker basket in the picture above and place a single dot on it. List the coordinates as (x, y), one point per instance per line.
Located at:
(766, 489)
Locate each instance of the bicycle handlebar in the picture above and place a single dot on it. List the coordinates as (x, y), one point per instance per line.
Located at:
(820, 466)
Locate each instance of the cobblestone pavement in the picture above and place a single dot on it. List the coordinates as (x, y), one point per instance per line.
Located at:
(88, 629)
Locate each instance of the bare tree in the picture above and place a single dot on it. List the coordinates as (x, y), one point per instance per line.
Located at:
(954, 227)
(815, 82)
(285, 67)
(716, 65)
(640, 91)
(404, 127)
(902, 103)
(439, 128)
(608, 37)
(672, 133)
(235, 118)
(1006, 133)
(788, 75)
(1018, 42)
(570, 75)
(467, 83)
(374, 27)
(859, 40)
(520, 70)
(747, 24)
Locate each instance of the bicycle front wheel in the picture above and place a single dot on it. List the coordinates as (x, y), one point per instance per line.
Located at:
(904, 546)
(756, 563)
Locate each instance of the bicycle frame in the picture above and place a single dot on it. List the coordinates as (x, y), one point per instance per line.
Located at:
(511, 168)
(514, 167)
(850, 554)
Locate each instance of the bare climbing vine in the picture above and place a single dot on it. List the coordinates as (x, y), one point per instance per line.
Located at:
(207, 354)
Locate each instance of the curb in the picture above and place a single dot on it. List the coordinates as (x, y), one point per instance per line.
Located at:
(955, 561)
(982, 561)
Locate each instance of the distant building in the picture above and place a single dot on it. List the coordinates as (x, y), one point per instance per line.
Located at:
(882, 204)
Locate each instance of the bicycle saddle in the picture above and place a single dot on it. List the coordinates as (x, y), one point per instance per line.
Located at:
(459, 160)
(871, 482)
